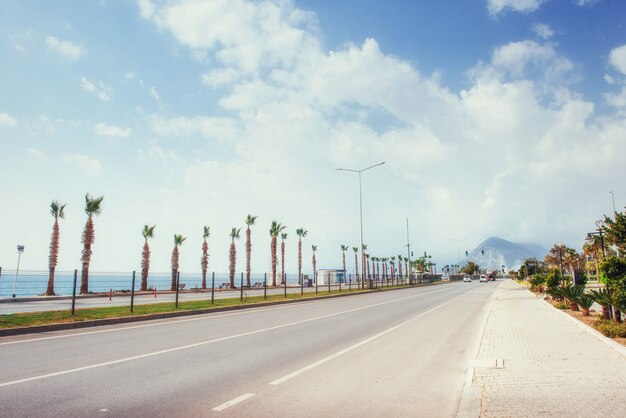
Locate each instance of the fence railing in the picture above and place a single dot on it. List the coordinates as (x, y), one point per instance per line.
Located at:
(26, 291)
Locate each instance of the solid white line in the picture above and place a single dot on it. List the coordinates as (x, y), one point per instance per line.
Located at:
(357, 345)
(233, 402)
(171, 321)
(198, 344)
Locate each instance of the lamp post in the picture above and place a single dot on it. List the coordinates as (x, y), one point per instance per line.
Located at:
(361, 211)
(560, 247)
(20, 250)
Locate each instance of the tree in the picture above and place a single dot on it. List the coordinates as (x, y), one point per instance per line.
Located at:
(283, 237)
(470, 268)
(399, 266)
(57, 210)
(344, 248)
(602, 298)
(367, 263)
(249, 222)
(275, 231)
(615, 231)
(93, 206)
(204, 260)
(553, 278)
(314, 261)
(234, 234)
(301, 232)
(614, 269)
(406, 267)
(178, 241)
(147, 232)
(393, 267)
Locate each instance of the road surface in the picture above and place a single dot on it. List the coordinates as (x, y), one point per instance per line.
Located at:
(395, 353)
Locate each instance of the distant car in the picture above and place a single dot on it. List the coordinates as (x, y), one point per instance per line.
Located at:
(445, 277)
(483, 278)
(491, 277)
(467, 279)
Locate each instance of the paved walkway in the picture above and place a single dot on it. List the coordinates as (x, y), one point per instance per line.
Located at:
(534, 360)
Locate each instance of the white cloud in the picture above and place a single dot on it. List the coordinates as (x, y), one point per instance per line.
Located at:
(19, 47)
(543, 31)
(209, 127)
(89, 166)
(155, 96)
(102, 129)
(583, 3)
(7, 120)
(37, 154)
(101, 91)
(497, 6)
(65, 48)
(220, 77)
(617, 58)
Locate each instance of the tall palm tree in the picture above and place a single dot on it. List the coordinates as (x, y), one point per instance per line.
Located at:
(363, 266)
(93, 206)
(393, 267)
(275, 231)
(204, 260)
(57, 211)
(400, 266)
(283, 237)
(367, 257)
(314, 248)
(249, 222)
(385, 275)
(147, 232)
(234, 234)
(178, 241)
(344, 248)
(301, 232)
(356, 264)
(406, 267)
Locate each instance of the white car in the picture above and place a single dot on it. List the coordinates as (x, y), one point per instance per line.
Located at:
(483, 278)
(467, 279)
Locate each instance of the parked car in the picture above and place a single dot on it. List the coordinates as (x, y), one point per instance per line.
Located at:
(467, 279)
(483, 278)
(491, 277)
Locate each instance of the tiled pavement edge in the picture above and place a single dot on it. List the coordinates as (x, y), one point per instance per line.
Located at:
(536, 361)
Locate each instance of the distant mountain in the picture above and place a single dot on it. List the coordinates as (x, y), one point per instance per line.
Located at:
(494, 252)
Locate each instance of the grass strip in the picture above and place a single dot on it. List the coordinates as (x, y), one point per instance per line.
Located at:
(90, 314)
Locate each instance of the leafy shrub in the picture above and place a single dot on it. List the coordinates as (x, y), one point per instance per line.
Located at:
(561, 305)
(553, 278)
(586, 301)
(611, 329)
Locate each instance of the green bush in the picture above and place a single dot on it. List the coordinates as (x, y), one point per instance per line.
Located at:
(553, 278)
(614, 270)
(561, 305)
(611, 329)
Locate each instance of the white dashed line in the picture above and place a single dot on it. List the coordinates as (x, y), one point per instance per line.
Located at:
(233, 402)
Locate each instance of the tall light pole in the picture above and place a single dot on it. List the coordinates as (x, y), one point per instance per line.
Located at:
(613, 197)
(20, 250)
(408, 249)
(361, 209)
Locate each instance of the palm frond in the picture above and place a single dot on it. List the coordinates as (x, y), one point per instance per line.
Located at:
(250, 220)
(178, 240)
(148, 231)
(234, 233)
(207, 232)
(93, 205)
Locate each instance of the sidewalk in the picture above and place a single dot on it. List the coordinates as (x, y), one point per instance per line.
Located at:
(536, 361)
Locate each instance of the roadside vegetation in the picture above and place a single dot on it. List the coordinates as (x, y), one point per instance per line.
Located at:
(597, 275)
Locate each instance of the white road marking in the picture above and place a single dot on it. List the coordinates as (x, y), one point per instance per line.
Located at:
(233, 402)
(201, 343)
(203, 317)
(357, 345)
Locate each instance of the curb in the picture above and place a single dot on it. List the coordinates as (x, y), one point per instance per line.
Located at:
(606, 340)
(128, 319)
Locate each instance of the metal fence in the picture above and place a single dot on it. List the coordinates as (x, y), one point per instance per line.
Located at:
(26, 291)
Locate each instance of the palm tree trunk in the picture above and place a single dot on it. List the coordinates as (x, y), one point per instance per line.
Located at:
(299, 261)
(53, 259)
(174, 267)
(89, 235)
(274, 260)
(204, 262)
(282, 262)
(145, 266)
(356, 267)
(314, 266)
(248, 254)
(233, 263)
(344, 262)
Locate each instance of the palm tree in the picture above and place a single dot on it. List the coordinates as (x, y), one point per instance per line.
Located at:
(393, 267)
(283, 237)
(234, 234)
(363, 266)
(148, 232)
(301, 232)
(204, 260)
(178, 241)
(344, 248)
(602, 298)
(406, 267)
(92, 207)
(367, 256)
(249, 221)
(314, 248)
(356, 265)
(275, 231)
(400, 266)
(56, 210)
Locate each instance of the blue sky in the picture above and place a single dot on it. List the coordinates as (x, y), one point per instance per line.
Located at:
(494, 117)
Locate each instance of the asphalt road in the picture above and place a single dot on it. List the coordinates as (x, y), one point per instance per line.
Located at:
(396, 353)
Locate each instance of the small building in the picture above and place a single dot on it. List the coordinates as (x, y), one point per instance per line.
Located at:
(334, 276)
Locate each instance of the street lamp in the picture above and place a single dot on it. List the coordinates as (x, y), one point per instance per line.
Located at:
(20, 250)
(361, 211)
